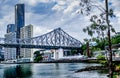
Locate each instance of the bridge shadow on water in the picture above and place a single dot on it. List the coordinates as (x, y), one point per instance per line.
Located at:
(18, 71)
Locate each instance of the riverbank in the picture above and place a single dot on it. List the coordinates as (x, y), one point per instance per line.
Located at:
(59, 61)
(62, 61)
(92, 68)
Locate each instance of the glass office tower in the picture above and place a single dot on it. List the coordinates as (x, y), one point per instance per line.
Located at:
(19, 18)
(10, 28)
(19, 22)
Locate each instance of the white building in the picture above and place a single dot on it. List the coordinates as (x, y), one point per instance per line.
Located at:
(52, 54)
(26, 32)
(59, 54)
(10, 53)
(55, 54)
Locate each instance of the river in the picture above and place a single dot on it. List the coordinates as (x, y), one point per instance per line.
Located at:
(49, 70)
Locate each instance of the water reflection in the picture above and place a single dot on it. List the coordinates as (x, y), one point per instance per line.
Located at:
(18, 71)
(56, 66)
(50, 70)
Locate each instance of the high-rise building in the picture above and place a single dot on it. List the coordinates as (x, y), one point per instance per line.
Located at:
(10, 53)
(19, 22)
(26, 32)
(1, 53)
(10, 37)
(19, 17)
(10, 28)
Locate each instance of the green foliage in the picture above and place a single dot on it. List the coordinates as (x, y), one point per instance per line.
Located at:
(114, 76)
(102, 60)
(84, 47)
(36, 52)
(101, 43)
(73, 52)
(95, 49)
(38, 56)
(101, 57)
(116, 39)
(37, 59)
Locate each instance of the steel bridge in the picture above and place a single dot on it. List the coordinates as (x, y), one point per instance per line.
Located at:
(51, 40)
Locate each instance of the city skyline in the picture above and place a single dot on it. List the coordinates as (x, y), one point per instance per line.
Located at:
(47, 36)
(40, 14)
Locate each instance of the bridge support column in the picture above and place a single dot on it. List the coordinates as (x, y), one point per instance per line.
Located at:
(18, 52)
(58, 54)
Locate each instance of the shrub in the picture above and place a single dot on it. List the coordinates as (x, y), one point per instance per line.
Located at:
(101, 57)
(37, 59)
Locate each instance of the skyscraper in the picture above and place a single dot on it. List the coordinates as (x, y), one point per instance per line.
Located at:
(10, 53)
(1, 53)
(10, 28)
(19, 22)
(26, 32)
(10, 37)
(19, 18)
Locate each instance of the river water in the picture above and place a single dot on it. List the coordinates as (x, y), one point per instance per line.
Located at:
(50, 70)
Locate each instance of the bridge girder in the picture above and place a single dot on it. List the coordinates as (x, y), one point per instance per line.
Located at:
(56, 38)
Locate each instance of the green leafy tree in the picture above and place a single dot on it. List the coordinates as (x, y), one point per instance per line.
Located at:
(116, 39)
(73, 52)
(101, 57)
(37, 59)
(86, 7)
(37, 52)
(38, 56)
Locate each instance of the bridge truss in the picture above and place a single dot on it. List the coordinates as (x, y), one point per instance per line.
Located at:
(54, 39)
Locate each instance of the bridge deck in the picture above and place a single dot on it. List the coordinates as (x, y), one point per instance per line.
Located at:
(37, 46)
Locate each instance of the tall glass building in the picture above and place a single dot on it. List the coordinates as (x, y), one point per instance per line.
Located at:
(10, 28)
(19, 22)
(19, 18)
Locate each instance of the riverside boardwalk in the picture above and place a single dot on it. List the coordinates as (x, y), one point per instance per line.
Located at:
(72, 61)
(87, 60)
(58, 61)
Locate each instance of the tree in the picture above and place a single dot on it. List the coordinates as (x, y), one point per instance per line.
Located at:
(86, 7)
(38, 56)
(116, 39)
(74, 52)
(37, 52)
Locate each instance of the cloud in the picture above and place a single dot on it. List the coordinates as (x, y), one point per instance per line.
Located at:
(43, 8)
(66, 6)
(40, 30)
(115, 4)
(46, 15)
(59, 6)
(35, 2)
(71, 6)
(3, 23)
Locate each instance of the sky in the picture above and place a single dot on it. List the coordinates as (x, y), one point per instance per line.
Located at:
(47, 15)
